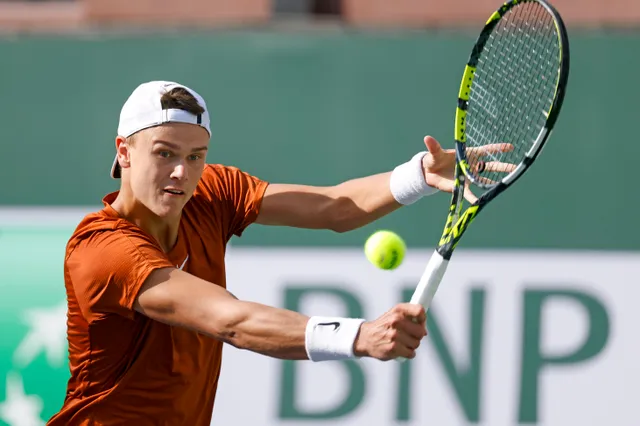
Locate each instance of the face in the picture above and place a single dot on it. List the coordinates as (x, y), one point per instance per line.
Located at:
(163, 165)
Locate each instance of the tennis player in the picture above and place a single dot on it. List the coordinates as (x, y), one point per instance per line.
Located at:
(148, 309)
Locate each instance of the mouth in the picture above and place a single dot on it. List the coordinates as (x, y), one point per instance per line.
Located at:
(173, 191)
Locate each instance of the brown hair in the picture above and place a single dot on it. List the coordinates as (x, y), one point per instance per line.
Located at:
(178, 98)
(181, 98)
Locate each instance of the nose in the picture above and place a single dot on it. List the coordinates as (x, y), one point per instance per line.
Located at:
(179, 172)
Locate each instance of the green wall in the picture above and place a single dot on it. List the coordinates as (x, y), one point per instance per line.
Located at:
(319, 108)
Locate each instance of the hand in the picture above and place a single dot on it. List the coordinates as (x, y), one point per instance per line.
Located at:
(439, 164)
(397, 333)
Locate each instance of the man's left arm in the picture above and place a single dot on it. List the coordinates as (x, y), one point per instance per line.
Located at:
(358, 202)
(340, 208)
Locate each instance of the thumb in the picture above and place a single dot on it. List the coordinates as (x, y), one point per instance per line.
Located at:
(433, 146)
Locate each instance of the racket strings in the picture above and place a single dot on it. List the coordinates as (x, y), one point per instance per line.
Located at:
(513, 89)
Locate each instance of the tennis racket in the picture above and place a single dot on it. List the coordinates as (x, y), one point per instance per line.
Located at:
(509, 100)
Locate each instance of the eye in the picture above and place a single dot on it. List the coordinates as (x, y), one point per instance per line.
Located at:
(194, 157)
(164, 154)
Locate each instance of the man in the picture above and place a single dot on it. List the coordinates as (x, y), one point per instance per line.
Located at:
(148, 309)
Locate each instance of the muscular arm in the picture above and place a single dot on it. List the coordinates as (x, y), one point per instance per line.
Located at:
(340, 208)
(358, 202)
(177, 298)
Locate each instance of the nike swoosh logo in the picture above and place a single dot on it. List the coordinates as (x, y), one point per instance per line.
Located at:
(335, 325)
(183, 263)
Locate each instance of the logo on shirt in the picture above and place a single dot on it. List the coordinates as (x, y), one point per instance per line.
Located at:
(183, 263)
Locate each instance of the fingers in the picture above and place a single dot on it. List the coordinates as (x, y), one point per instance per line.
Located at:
(403, 338)
(412, 311)
(470, 196)
(413, 329)
(485, 180)
(408, 337)
(397, 333)
(496, 166)
(405, 347)
(480, 167)
(492, 148)
(475, 154)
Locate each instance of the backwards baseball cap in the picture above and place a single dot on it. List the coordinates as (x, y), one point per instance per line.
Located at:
(143, 109)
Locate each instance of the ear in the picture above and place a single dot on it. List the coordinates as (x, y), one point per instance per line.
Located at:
(122, 151)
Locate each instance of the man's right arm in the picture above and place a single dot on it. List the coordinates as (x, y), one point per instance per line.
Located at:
(178, 298)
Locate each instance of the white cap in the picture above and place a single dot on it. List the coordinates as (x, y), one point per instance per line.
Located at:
(143, 110)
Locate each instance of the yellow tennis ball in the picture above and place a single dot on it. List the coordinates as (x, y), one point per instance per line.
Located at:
(385, 249)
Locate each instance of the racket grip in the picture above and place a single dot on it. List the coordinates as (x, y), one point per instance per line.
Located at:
(430, 280)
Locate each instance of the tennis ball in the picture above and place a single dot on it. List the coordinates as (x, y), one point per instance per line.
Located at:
(385, 249)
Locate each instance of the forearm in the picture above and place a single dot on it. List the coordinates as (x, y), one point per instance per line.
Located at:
(177, 298)
(361, 201)
(358, 202)
(346, 206)
(275, 332)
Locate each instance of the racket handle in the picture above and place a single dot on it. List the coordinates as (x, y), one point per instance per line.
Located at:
(430, 280)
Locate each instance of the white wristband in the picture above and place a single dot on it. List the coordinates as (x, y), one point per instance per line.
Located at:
(331, 338)
(407, 182)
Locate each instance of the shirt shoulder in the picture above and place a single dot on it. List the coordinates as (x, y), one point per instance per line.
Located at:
(234, 196)
(107, 261)
(227, 181)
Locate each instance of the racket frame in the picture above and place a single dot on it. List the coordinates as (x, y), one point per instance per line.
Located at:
(457, 223)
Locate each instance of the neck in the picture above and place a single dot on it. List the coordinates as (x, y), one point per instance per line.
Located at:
(163, 229)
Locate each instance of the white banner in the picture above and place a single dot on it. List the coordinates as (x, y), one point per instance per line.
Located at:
(523, 337)
(515, 337)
